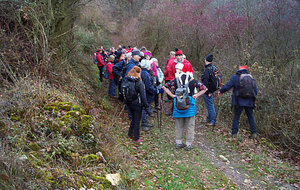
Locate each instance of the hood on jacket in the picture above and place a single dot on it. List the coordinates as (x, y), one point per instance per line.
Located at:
(242, 71)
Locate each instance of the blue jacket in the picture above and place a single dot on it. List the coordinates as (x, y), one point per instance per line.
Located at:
(118, 69)
(190, 112)
(233, 83)
(148, 81)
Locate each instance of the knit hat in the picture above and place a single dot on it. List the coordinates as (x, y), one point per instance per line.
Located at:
(136, 52)
(179, 66)
(172, 53)
(154, 60)
(128, 54)
(135, 72)
(147, 53)
(178, 52)
(145, 64)
(209, 58)
(243, 67)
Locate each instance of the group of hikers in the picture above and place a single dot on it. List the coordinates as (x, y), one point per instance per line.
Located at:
(136, 79)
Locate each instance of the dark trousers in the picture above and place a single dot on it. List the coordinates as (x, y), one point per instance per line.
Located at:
(236, 119)
(134, 129)
(100, 73)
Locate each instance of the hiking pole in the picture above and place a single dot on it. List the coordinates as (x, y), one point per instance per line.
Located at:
(217, 111)
(161, 107)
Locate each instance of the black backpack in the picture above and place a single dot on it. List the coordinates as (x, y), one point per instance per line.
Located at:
(246, 86)
(182, 94)
(215, 79)
(128, 89)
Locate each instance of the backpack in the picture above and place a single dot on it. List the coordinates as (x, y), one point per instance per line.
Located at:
(128, 89)
(182, 94)
(215, 79)
(95, 60)
(105, 71)
(246, 86)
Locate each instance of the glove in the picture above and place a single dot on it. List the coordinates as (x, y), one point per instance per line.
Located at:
(161, 91)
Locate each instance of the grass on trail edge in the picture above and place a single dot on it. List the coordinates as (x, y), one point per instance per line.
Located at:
(156, 164)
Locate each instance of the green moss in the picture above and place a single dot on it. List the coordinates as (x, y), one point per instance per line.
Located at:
(67, 119)
(90, 158)
(15, 118)
(51, 108)
(73, 113)
(34, 146)
(68, 132)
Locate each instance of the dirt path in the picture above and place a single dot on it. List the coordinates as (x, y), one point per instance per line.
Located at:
(231, 167)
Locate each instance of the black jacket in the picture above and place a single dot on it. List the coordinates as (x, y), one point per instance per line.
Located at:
(141, 100)
(205, 76)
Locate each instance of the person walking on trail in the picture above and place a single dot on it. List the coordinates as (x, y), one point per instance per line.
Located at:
(206, 79)
(136, 106)
(100, 63)
(111, 84)
(184, 117)
(150, 91)
(243, 97)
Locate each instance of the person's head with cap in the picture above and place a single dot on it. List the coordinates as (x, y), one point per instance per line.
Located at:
(172, 54)
(179, 66)
(209, 59)
(128, 56)
(136, 55)
(154, 60)
(178, 54)
(143, 49)
(147, 55)
(245, 67)
(145, 64)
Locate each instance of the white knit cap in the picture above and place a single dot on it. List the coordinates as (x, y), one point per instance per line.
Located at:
(145, 64)
(179, 66)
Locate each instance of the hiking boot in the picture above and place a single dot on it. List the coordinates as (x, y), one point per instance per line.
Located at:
(189, 147)
(210, 124)
(234, 135)
(146, 128)
(178, 146)
(254, 136)
(138, 141)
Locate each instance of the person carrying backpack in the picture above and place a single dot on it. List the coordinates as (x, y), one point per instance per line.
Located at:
(185, 108)
(119, 73)
(109, 71)
(151, 90)
(243, 97)
(207, 79)
(135, 98)
(98, 59)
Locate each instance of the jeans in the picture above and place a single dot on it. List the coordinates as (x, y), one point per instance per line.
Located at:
(134, 129)
(211, 116)
(237, 114)
(111, 87)
(144, 115)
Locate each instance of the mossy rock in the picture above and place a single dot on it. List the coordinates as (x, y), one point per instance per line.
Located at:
(51, 108)
(73, 113)
(90, 158)
(34, 146)
(68, 119)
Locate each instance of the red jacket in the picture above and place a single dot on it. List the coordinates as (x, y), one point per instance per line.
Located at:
(110, 70)
(186, 68)
(100, 59)
(168, 69)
